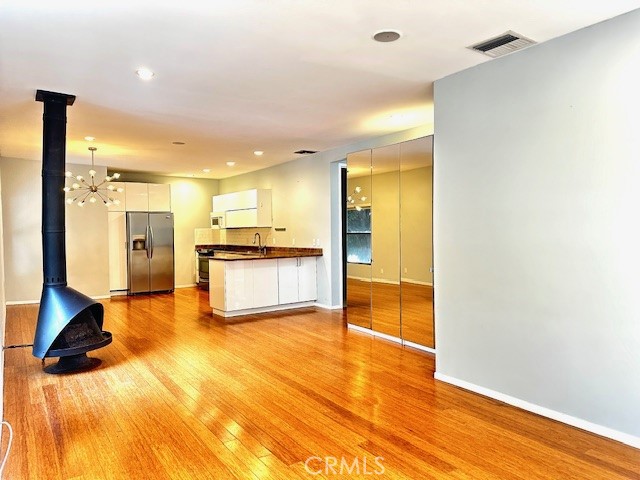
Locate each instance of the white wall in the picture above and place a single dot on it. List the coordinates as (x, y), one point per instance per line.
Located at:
(86, 234)
(537, 231)
(3, 311)
(303, 196)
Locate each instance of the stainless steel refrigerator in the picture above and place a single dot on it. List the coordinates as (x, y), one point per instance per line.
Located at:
(150, 252)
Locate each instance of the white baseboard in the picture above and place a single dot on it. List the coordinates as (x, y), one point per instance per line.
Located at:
(391, 338)
(35, 302)
(272, 308)
(22, 302)
(416, 282)
(358, 328)
(187, 285)
(384, 280)
(324, 306)
(362, 279)
(543, 411)
(417, 346)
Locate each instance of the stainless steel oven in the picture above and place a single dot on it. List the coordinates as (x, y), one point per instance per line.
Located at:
(203, 268)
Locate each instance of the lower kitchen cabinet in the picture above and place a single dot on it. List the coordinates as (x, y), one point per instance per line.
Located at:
(297, 280)
(246, 286)
(243, 284)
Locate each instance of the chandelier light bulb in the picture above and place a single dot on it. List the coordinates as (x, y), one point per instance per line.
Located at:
(91, 191)
(358, 189)
(119, 190)
(116, 202)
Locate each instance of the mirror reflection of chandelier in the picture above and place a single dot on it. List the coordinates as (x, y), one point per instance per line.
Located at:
(351, 199)
(84, 191)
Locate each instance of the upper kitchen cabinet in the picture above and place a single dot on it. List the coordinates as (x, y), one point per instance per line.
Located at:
(119, 196)
(159, 197)
(147, 197)
(245, 209)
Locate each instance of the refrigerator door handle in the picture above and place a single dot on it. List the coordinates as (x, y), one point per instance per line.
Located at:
(151, 241)
(147, 241)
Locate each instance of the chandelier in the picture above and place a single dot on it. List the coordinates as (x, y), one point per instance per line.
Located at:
(351, 199)
(92, 192)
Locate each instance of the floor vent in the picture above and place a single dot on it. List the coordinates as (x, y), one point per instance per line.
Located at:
(501, 45)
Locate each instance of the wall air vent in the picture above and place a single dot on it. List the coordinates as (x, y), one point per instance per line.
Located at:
(501, 45)
(305, 152)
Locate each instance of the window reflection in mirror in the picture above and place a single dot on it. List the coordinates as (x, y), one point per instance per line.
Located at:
(359, 238)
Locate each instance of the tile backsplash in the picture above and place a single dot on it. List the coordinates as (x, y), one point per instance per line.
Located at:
(244, 236)
(207, 236)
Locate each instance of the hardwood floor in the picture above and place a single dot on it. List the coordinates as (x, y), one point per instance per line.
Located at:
(181, 394)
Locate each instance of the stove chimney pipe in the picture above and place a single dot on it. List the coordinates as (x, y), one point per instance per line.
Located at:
(69, 323)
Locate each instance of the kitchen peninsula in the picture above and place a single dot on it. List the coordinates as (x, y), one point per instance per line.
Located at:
(244, 280)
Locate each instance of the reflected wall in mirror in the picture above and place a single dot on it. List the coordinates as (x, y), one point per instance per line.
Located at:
(359, 238)
(416, 207)
(385, 240)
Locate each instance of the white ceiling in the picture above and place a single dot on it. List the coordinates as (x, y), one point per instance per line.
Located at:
(234, 76)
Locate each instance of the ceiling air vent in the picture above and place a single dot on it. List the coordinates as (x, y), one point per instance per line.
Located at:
(305, 152)
(501, 45)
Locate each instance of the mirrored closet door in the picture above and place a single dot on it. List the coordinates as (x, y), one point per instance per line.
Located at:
(389, 240)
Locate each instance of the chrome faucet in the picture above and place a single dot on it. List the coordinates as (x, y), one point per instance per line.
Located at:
(262, 249)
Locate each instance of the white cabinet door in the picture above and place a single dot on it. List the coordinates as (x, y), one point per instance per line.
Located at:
(287, 280)
(238, 285)
(159, 197)
(265, 283)
(117, 251)
(120, 196)
(241, 218)
(137, 197)
(243, 200)
(307, 282)
(216, 284)
(219, 203)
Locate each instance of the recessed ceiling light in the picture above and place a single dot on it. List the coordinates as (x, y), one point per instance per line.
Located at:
(231, 164)
(144, 73)
(206, 170)
(386, 36)
(89, 139)
(258, 152)
(178, 143)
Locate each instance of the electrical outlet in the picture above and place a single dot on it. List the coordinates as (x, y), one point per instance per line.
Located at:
(274, 240)
(293, 241)
(382, 270)
(405, 269)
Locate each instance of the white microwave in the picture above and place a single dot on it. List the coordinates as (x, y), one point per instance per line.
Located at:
(217, 220)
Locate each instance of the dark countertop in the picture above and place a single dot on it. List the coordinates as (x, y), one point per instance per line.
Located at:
(244, 252)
